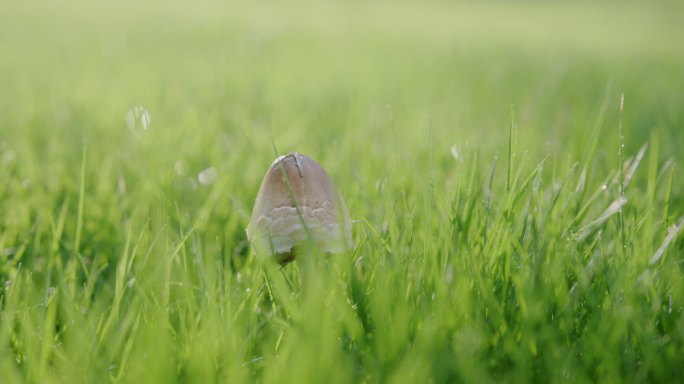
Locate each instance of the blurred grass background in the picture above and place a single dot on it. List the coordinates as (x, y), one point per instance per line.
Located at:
(151, 259)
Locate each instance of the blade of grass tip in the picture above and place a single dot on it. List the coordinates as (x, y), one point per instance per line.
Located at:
(81, 199)
(510, 151)
(57, 232)
(128, 347)
(590, 202)
(269, 290)
(512, 197)
(432, 162)
(289, 190)
(667, 167)
(179, 217)
(488, 199)
(535, 173)
(596, 129)
(621, 175)
(431, 181)
(652, 174)
(121, 273)
(48, 332)
(672, 233)
(180, 245)
(613, 208)
(377, 234)
(621, 146)
(490, 182)
(79, 225)
(668, 197)
(591, 149)
(167, 271)
(634, 165)
(653, 169)
(469, 190)
(582, 181)
(155, 239)
(54, 259)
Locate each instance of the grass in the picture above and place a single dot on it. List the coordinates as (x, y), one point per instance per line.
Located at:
(502, 231)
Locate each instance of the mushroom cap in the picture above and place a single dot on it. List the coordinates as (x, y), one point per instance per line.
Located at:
(276, 226)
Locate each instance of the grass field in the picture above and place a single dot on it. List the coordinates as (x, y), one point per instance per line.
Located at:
(515, 218)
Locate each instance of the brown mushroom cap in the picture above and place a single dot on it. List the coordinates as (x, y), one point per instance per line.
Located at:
(276, 226)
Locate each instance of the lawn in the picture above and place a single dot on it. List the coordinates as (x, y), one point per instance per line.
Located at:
(513, 173)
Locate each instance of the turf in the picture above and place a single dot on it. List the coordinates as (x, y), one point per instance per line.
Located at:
(513, 172)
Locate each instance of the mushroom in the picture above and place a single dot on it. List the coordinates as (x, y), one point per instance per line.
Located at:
(304, 207)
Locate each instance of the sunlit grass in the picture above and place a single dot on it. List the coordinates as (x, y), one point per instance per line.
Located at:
(501, 231)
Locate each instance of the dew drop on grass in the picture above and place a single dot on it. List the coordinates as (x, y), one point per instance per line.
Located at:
(207, 176)
(604, 187)
(138, 118)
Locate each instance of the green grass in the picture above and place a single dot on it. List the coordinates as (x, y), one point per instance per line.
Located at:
(502, 234)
